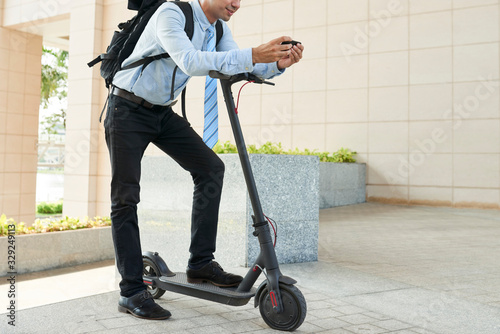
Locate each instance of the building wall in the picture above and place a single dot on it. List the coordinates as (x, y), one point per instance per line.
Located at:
(412, 86)
(20, 73)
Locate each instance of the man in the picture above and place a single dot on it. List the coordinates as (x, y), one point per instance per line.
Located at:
(140, 113)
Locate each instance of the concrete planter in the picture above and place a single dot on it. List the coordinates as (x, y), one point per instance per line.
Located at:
(289, 192)
(341, 184)
(42, 251)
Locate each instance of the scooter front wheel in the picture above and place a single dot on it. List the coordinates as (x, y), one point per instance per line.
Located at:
(151, 270)
(294, 309)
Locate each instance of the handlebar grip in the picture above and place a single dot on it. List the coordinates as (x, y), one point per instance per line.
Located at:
(218, 75)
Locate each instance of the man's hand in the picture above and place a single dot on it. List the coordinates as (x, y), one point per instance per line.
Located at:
(294, 56)
(271, 51)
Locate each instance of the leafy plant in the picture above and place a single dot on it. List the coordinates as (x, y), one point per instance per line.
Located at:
(54, 86)
(342, 155)
(49, 208)
(47, 225)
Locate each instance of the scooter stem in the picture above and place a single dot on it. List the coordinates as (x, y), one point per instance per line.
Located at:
(242, 151)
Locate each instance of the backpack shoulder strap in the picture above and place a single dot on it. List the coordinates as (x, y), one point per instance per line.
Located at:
(219, 31)
(188, 13)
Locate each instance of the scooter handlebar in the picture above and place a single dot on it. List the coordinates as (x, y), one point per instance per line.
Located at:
(239, 77)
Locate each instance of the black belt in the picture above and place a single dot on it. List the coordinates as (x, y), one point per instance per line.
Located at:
(134, 98)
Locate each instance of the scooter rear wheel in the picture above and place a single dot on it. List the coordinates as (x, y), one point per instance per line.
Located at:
(151, 270)
(294, 309)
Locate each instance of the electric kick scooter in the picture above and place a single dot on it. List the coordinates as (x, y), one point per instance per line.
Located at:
(282, 305)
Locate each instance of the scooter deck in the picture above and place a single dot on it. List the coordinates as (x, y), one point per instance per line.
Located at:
(207, 291)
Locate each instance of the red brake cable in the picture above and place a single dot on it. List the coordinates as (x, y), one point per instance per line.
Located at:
(239, 92)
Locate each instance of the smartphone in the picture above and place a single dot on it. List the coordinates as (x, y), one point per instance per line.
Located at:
(291, 42)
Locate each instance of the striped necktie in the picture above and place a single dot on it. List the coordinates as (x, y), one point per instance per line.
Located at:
(211, 126)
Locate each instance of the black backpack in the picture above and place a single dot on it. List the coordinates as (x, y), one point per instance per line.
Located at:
(123, 42)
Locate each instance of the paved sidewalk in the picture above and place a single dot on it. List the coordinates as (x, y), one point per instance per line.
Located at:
(382, 269)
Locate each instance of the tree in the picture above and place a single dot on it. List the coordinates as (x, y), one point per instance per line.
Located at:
(54, 88)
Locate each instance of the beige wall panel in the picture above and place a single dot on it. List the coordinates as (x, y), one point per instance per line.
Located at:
(475, 25)
(476, 170)
(391, 36)
(472, 3)
(476, 136)
(430, 66)
(431, 137)
(388, 137)
(434, 196)
(388, 69)
(473, 100)
(344, 73)
(476, 198)
(353, 136)
(309, 107)
(309, 136)
(424, 6)
(475, 62)
(307, 16)
(391, 194)
(430, 169)
(381, 9)
(388, 104)
(347, 105)
(311, 76)
(340, 11)
(277, 16)
(431, 30)
(430, 102)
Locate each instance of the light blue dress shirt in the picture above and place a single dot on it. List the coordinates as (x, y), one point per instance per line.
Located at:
(165, 33)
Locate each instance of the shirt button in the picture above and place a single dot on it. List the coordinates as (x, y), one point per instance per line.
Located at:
(246, 68)
(272, 71)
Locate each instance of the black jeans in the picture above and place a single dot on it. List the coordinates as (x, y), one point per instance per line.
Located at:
(129, 129)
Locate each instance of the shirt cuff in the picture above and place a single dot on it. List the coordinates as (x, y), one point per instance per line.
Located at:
(246, 60)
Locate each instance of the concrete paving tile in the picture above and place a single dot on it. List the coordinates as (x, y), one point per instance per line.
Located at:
(307, 327)
(239, 315)
(376, 315)
(83, 327)
(392, 325)
(185, 313)
(241, 326)
(319, 304)
(356, 319)
(316, 296)
(337, 331)
(435, 311)
(207, 320)
(324, 313)
(331, 323)
(123, 321)
(214, 329)
(422, 331)
(349, 309)
(366, 329)
(211, 309)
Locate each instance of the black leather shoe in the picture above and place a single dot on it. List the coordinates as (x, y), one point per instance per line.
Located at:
(213, 273)
(142, 306)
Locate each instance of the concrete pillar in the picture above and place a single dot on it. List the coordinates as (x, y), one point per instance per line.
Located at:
(84, 106)
(20, 73)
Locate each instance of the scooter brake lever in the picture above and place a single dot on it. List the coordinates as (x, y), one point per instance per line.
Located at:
(258, 80)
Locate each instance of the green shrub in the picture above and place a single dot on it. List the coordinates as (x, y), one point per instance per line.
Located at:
(342, 155)
(48, 225)
(49, 208)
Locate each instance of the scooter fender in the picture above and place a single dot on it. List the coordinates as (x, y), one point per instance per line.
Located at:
(162, 266)
(262, 287)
